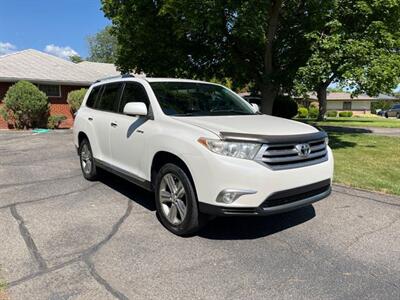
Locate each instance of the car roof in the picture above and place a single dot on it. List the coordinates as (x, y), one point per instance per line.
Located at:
(148, 79)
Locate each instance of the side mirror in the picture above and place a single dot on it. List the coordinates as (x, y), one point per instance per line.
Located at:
(135, 109)
(255, 107)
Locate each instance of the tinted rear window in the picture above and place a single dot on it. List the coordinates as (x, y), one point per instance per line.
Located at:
(109, 97)
(93, 96)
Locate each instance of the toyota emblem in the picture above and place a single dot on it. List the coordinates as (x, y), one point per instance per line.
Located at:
(303, 150)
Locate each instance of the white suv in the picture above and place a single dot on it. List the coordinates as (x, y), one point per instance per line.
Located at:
(201, 148)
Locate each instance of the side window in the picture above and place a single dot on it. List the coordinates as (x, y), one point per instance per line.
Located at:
(133, 92)
(93, 96)
(109, 97)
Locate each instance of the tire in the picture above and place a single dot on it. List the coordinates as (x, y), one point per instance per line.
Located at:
(88, 166)
(386, 116)
(177, 211)
(398, 115)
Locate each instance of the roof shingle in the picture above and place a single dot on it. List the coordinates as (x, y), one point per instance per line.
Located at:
(39, 67)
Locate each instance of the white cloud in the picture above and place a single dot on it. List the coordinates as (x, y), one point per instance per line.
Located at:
(6, 48)
(63, 52)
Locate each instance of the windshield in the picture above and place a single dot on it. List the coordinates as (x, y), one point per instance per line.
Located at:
(198, 99)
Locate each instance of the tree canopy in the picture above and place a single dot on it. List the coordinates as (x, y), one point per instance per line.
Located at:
(359, 47)
(278, 46)
(102, 46)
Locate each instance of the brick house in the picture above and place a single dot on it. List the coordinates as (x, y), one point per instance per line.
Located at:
(54, 76)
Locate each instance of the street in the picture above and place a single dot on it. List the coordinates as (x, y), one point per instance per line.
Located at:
(63, 237)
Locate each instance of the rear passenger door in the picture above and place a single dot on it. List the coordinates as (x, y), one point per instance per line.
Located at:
(128, 137)
(106, 107)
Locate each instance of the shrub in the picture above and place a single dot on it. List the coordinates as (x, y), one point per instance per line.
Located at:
(25, 106)
(75, 99)
(285, 107)
(302, 113)
(54, 121)
(313, 112)
(345, 114)
(331, 114)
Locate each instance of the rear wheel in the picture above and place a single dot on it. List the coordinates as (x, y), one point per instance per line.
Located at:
(88, 166)
(176, 201)
(398, 115)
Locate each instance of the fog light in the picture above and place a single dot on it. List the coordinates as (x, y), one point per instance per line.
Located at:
(228, 196)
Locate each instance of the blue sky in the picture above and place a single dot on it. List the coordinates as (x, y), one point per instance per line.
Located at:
(58, 26)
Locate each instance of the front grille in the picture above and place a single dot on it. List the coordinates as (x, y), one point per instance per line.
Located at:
(297, 194)
(285, 156)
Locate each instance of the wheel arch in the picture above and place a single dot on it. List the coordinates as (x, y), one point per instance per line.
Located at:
(163, 157)
(81, 137)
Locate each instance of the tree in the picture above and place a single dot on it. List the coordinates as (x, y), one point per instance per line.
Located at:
(359, 47)
(75, 59)
(257, 42)
(102, 46)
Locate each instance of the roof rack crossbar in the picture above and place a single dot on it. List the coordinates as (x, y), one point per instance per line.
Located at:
(126, 75)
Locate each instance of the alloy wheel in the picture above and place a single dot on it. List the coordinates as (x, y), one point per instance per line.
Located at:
(86, 158)
(172, 198)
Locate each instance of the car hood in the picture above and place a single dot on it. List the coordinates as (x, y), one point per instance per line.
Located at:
(254, 124)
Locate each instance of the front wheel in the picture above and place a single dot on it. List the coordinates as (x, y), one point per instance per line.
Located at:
(176, 201)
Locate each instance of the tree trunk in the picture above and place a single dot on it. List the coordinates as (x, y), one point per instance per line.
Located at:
(321, 95)
(268, 90)
(268, 94)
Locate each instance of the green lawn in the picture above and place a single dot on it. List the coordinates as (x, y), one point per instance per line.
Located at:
(367, 161)
(357, 122)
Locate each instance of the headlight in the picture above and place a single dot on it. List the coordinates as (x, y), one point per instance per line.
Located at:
(327, 141)
(233, 149)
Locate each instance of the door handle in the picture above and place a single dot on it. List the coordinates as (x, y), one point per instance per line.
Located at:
(90, 119)
(113, 124)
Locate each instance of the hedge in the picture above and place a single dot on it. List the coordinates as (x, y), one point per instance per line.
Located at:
(345, 114)
(331, 114)
(302, 113)
(75, 99)
(313, 112)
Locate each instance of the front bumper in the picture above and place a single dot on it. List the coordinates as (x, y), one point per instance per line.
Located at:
(278, 202)
(213, 173)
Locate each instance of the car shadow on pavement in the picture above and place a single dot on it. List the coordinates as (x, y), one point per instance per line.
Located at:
(128, 189)
(221, 228)
(235, 228)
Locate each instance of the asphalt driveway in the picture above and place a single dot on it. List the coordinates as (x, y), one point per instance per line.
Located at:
(62, 237)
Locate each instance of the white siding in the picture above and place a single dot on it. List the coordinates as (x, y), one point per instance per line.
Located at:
(355, 105)
(334, 105)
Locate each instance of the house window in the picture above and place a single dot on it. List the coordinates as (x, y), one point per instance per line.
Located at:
(347, 105)
(50, 90)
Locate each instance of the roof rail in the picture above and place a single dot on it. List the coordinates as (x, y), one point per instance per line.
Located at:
(125, 75)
